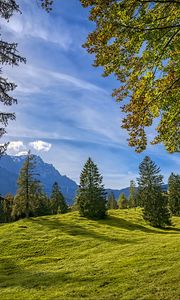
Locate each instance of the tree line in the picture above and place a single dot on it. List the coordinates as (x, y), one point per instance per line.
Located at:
(157, 205)
(91, 199)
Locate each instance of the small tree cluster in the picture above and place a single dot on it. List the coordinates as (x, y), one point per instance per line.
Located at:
(30, 199)
(122, 201)
(111, 201)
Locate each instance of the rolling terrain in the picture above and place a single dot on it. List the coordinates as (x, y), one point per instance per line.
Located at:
(70, 257)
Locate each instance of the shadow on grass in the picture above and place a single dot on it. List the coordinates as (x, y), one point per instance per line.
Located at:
(125, 224)
(12, 275)
(77, 230)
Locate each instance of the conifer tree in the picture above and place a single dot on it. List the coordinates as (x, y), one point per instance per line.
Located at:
(7, 207)
(8, 56)
(155, 204)
(174, 194)
(1, 210)
(91, 197)
(30, 195)
(132, 194)
(57, 201)
(122, 201)
(111, 201)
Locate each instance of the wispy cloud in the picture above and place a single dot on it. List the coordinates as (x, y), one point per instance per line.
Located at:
(31, 79)
(34, 23)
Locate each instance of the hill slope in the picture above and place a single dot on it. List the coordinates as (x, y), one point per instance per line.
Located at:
(69, 257)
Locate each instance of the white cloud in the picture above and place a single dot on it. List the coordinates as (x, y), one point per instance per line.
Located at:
(40, 146)
(15, 147)
(22, 153)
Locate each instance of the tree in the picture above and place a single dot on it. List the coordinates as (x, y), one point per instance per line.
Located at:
(46, 4)
(8, 56)
(30, 197)
(155, 203)
(7, 207)
(132, 194)
(1, 210)
(174, 194)
(91, 197)
(122, 201)
(111, 201)
(57, 201)
(139, 42)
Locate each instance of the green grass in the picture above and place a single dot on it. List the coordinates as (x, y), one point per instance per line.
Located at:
(69, 257)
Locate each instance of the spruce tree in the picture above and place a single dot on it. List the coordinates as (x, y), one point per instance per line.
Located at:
(111, 201)
(122, 201)
(57, 201)
(174, 194)
(155, 204)
(30, 195)
(132, 194)
(91, 197)
(8, 56)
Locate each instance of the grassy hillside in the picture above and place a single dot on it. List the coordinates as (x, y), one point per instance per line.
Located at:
(68, 257)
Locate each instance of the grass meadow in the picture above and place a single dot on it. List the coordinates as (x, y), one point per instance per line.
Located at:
(69, 257)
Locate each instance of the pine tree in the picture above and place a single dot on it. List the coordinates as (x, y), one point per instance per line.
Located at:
(155, 204)
(8, 56)
(30, 195)
(132, 194)
(174, 194)
(122, 201)
(111, 201)
(57, 201)
(91, 197)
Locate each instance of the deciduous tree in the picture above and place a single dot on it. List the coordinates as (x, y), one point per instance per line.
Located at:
(139, 42)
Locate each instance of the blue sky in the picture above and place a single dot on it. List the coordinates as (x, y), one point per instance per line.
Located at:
(65, 111)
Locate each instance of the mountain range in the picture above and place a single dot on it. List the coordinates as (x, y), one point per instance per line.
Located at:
(11, 165)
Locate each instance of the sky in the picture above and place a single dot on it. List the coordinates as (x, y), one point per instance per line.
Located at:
(65, 110)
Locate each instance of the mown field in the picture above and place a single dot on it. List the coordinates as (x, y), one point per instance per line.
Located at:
(69, 257)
